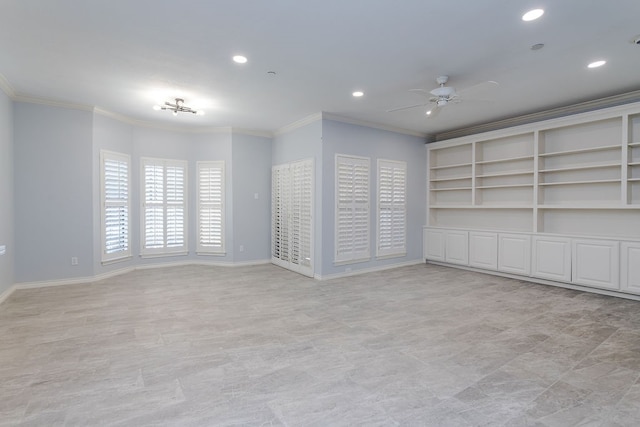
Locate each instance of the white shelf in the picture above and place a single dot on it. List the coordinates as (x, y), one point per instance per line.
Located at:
(634, 164)
(575, 168)
(496, 206)
(599, 181)
(509, 159)
(581, 150)
(451, 189)
(510, 173)
(452, 207)
(504, 186)
(633, 180)
(589, 207)
(634, 144)
(457, 165)
(458, 178)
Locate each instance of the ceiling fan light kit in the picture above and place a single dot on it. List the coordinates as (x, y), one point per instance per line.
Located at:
(443, 95)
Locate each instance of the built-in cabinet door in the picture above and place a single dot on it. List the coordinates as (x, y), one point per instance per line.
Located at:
(514, 253)
(433, 242)
(595, 263)
(483, 250)
(551, 258)
(630, 267)
(457, 247)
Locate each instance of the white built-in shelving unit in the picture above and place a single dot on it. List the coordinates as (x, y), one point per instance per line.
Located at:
(573, 178)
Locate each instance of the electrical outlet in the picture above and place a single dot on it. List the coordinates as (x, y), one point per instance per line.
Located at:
(74, 260)
(241, 248)
(3, 249)
(255, 196)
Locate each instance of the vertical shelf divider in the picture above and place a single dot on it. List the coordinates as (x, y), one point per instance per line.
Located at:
(474, 144)
(536, 220)
(624, 162)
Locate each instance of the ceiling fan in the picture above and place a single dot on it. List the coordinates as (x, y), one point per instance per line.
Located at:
(442, 96)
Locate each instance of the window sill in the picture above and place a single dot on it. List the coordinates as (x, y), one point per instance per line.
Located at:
(201, 253)
(165, 254)
(116, 260)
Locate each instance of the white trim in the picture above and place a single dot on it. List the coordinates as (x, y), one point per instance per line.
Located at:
(531, 127)
(357, 122)
(6, 87)
(6, 294)
(298, 124)
(92, 279)
(367, 270)
(535, 280)
(52, 103)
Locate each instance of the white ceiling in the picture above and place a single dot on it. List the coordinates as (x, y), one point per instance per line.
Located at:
(123, 56)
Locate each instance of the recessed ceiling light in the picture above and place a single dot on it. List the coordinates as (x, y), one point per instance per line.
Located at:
(240, 59)
(358, 93)
(428, 113)
(597, 64)
(533, 15)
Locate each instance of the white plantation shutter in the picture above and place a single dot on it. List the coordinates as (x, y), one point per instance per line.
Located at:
(352, 242)
(211, 207)
(301, 214)
(279, 214)
(114, 176)
(292, 216)
(164, 206)
(392, 208)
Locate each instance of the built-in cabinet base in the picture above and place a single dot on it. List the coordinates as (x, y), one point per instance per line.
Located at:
(589, 263)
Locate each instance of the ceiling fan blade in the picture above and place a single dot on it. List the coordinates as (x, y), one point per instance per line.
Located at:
(422, 92)
(480, 90)
(406, 107)
(435, 110)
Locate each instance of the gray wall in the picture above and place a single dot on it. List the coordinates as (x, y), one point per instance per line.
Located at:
(53, 192)
(6, 192)
(251, 157)
(113, 135)
(56, 187)
(343, 138)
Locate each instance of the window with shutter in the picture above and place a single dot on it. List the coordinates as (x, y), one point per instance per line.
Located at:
(164, 207)
(352, 242)
(392, 209)
(210, 207)
(115, 205)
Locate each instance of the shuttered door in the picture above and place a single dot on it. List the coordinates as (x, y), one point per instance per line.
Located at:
(291, 216)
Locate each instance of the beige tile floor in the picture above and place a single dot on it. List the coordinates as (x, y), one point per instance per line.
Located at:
(421, 345)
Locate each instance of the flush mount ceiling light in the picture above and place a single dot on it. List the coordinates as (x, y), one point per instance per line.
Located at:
(177, 107)
(358, 94)
(532, 15)
(240, 59)
(596, 64)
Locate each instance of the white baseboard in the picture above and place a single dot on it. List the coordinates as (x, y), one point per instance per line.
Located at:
(367, 270)
(606, 292)
(92, 279)
(7, 293)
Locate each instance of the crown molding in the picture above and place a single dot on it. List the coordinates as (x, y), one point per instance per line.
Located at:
(357, 122)
(6, 87)
(52, 103)
(553, 113)
(298, 124)
(252, 132)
